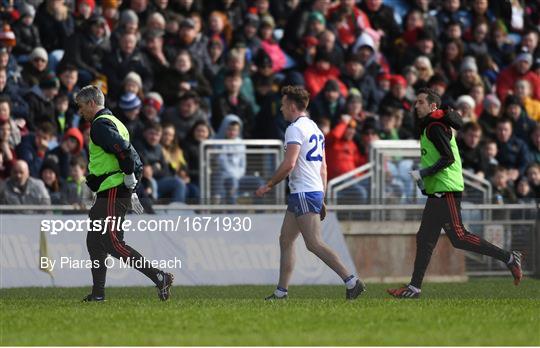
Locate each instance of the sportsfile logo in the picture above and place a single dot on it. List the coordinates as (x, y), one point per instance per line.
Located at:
(181, 223)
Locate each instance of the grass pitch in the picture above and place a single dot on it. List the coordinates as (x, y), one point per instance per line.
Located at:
(480, 312)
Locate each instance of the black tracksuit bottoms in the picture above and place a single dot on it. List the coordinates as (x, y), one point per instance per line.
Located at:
(114, 202)
(445, 212)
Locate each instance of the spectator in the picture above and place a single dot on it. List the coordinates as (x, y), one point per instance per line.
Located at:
(522, 125)
(231, 165)
(188, 39)
(500, 48)
(40, 101)
(388, 125)
(152, 107)
(14, 135)
(70, 147)
(519, 70)
(355, 76)
(396, 99)
(512, 151)
(21, 189)
(478, 45)
(523, 91)
(170, 186)
(489, 158)
(11, 91)
(533, 175)
(322, 70)
(26, 32)
(217, 57)
(270, 45)
(69, 79)
(354, 107)
(424, 68)
(382, 20)
(55, 24)
(329, 103)
(342, 153)
(76, 191)
(183, 77)
(199, 132)
(233, 102)
(468, 78)
(534, 144)
(50, 175)
(470, 149)
(129, 113)
(133, 84)
(36, 68)
(490, 115)
(466, 105)
(34, 146)
(87, 49)
(503, 192)
(123, 59)
(7, 151)
(154, 52)
(452, 57)
(174, 156)
(185, 115)
(524, 193)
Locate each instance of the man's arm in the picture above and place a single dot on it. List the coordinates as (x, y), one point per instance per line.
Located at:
(439, 135)
(284, 169)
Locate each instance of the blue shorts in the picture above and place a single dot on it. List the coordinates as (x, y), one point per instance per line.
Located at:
(305, 202)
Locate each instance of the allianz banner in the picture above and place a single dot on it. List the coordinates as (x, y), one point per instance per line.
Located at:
(197, 250)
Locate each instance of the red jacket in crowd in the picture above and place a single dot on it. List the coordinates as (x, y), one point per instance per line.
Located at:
(342, 155)
(508, 77)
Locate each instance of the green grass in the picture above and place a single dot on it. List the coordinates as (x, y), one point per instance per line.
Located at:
(480, 312)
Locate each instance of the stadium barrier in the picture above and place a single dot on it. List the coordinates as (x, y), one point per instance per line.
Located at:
(381, 249)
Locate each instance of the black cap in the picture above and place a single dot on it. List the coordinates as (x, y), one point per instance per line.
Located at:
(187, 22)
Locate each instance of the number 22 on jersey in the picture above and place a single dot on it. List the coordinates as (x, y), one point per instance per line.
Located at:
(315, 153)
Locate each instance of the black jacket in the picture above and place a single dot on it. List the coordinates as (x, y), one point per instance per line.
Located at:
(105, 134)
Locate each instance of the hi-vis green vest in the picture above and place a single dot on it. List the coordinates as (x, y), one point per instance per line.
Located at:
(450, 179)
(102, 162)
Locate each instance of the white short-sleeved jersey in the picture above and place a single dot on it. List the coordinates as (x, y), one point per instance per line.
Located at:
(306, 175)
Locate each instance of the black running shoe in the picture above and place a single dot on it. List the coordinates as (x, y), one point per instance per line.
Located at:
(274, 297)
(403, 292)
(359, 288)
(515, 267)
(92, 298)
(164, 285)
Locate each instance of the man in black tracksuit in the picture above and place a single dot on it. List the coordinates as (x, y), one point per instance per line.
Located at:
(441, 178)
(113, 170)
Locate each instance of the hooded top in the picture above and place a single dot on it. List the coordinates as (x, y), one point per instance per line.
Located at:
(438, 126)
(232, 164)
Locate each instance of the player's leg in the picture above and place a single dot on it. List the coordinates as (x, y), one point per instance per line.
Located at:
(309, 224)
(289, 233)
(426, 240)
(463, 239)
(287, 237)
(119, 199)
(310, 227)
(97, 251)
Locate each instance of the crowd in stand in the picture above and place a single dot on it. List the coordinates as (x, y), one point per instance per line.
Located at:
(176, 72)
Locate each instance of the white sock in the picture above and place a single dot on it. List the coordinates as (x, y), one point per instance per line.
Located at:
(511, 259)
(280, 292)
(414, 288)
(350, 281)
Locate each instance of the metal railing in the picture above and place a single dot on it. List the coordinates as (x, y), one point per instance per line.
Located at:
(262, 157)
